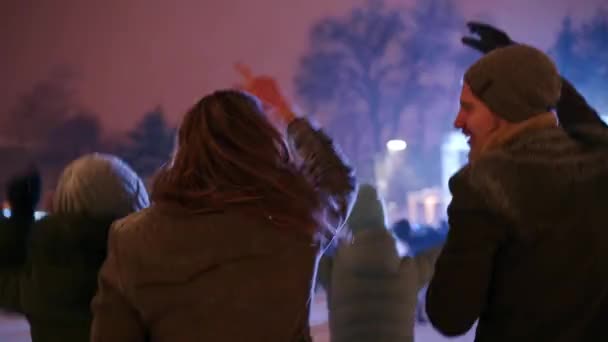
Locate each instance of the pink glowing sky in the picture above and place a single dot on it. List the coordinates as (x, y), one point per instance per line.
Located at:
(135, 54)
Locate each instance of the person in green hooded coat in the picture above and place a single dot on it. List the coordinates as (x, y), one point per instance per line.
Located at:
(371, 284)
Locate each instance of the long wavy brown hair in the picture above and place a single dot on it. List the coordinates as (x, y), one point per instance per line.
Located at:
(228, 154)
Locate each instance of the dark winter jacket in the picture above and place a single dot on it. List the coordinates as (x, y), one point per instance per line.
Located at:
(175, 275)
(54, 284)
(527, 250)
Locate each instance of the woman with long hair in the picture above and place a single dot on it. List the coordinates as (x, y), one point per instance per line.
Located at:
(227, 251)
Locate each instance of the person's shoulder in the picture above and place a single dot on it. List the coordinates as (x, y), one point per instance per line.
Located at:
(70, 226)
(530, 171)
(133, 221)
(485, 183)
(537, 150)
(476, 175)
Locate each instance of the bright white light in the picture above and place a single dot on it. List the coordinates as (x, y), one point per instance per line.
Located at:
(37, 215)
(396, 145)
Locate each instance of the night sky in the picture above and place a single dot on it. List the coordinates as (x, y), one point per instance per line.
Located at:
(135, 54)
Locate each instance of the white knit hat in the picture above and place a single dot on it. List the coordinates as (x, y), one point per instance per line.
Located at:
(99, 185)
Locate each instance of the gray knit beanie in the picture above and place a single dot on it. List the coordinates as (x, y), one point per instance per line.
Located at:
(99, 185)
(516, 82)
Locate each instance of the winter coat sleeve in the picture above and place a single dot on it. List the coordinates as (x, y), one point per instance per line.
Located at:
(572, 108)
(457, 293)
(115, 318)
(579, 119)
(325, 168)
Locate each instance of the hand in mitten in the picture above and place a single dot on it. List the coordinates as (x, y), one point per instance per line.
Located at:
(489, 37)
(23, 193)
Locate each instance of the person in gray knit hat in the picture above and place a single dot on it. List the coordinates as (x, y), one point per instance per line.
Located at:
(515, 82)
(99, 185)
(506, 87)
(53, 285)
(527, 249)
(575, 115)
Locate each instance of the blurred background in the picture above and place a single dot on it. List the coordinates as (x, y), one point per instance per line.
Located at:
(382, 77)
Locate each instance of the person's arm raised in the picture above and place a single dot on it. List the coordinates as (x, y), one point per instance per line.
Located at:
(320, 159)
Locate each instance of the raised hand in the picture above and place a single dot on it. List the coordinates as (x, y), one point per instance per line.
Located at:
(488, 37)
(267, 90)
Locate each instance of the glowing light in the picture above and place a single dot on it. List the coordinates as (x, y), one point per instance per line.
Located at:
(37, 215)
(396, 145)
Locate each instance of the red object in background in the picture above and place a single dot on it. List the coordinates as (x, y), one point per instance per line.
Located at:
(267, 90)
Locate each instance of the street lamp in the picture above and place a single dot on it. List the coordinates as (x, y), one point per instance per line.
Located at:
(395, 145)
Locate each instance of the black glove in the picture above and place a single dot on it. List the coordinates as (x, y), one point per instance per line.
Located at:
(490, 38)
(23, 193)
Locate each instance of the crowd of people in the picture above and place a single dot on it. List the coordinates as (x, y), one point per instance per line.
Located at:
(256, 208)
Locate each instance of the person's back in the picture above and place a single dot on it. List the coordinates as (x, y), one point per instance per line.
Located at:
(527, 252)
(53, 284)
(372, 288)
(65, 254)
(227, 251)
(374, 291)
(218, 276)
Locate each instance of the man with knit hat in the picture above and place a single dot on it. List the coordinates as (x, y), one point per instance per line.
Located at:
(527, 251)
(505, 89)
(575, 115)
